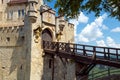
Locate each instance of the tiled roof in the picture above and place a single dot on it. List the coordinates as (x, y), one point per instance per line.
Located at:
(17, 1)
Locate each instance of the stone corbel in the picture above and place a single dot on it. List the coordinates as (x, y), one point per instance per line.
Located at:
(37, 33)
(58, 36)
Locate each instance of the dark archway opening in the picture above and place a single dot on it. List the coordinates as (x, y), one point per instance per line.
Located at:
(46, 35)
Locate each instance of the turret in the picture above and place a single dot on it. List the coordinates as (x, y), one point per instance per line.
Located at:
(60, 27)
(32, 11)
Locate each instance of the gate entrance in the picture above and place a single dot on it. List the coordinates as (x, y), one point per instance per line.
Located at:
(46, 35)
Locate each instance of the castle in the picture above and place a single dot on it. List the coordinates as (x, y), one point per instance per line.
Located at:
(24, 24)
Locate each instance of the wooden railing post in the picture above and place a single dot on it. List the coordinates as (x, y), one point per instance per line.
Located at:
(67, 47)
(94, 53)
(108, 54)
(116, 55)
(104, 54)
(74, 49)
(84, 52)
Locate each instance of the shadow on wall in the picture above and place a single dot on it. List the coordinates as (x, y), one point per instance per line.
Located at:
(21, 55)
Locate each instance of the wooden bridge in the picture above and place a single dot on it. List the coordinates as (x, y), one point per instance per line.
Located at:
(87, 55)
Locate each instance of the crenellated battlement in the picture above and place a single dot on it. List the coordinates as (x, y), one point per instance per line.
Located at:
(11, 29)
(71, 26)
(12, 36)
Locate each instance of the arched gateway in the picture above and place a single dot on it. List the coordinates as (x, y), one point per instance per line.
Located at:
(47, 35)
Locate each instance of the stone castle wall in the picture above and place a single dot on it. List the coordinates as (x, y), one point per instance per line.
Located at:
(21, 57)
(12, 53)
(12, 41)
(12, 36)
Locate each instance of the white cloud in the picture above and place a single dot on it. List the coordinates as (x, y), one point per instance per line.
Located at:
(81, 19)
(104, 27)
(109, 42)
(117, 29)
(101, 43)
(82, 38)
(100, 19)
(92, 31)
(76, 23)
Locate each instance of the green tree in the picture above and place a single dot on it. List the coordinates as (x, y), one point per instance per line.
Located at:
(72, 8)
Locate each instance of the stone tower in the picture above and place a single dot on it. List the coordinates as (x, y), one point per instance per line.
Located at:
(24, 24)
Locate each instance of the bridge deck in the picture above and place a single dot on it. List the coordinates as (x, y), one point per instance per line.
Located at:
(84, 53)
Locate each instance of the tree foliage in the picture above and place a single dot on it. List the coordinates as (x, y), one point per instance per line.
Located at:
(72, 8)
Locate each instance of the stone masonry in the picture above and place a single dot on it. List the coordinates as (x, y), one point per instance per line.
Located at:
(23, 26)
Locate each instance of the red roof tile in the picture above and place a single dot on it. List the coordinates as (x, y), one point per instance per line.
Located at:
(17, 1)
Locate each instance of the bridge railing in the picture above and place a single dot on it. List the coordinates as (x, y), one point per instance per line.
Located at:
(106, 53)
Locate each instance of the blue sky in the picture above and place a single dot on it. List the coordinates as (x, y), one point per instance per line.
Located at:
(98, 31)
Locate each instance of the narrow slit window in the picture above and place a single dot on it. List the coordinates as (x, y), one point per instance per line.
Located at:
(32, 4)
(23, 12)
(8, 39)
(50, 63)
(10, 15)
(19, 14)
(21, 67)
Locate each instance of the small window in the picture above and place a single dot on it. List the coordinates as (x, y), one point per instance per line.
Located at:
(8, 39)
(32, 4)
(21, 13)
(3, 67)
(18, 13)
(10, 15)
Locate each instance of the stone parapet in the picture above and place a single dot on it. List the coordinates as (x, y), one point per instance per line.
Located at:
(11, 36)
(12, 29)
